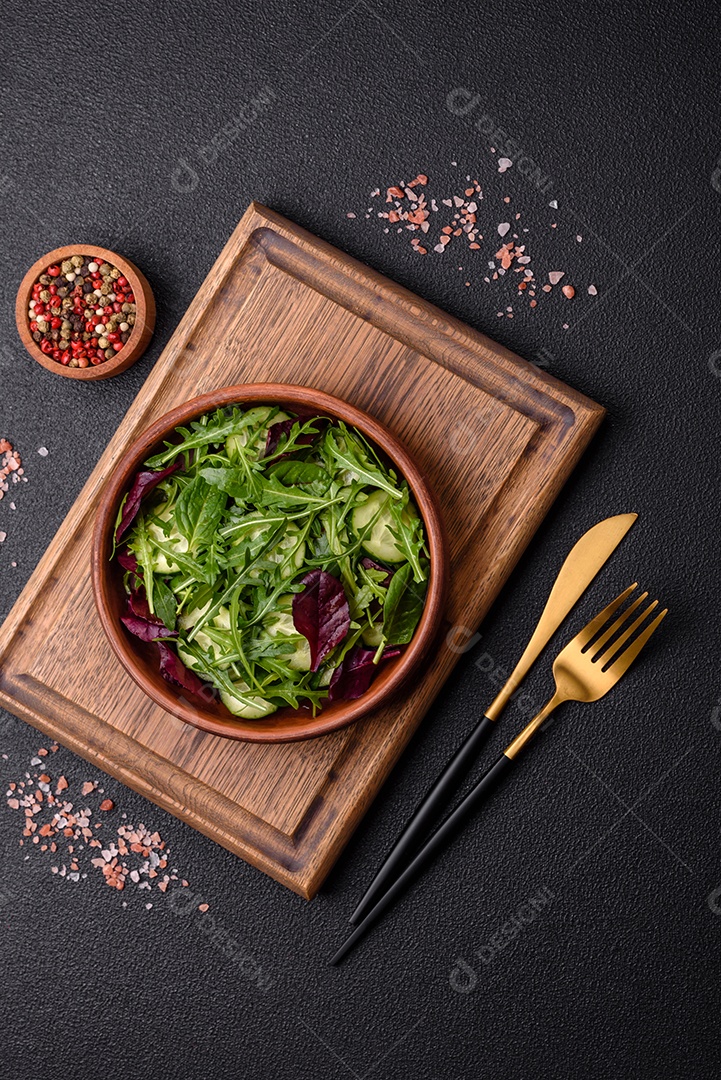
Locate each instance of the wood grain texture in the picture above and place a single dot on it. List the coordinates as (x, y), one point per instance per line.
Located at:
(496, 437)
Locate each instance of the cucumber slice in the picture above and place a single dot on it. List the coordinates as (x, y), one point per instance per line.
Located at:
(373, 636)
(280, 623)
(248, 705)
(161, 563)
(187, 657)
(325, 674)
(209, 645)
(379, 542)
(188, 620)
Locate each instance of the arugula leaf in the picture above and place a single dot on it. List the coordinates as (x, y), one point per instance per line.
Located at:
(229, 479)
(275, 493)
(302, 473)
(408, 534)
(351, 454)
(403, 608)
(198, 512)
(288, 435)
(256, 519)
(165, 603)
(242, 578)
(187, 563)
(214, 428)
(141, 547)
(237, 636)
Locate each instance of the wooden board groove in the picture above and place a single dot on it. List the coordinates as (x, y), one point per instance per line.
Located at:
(496, 437)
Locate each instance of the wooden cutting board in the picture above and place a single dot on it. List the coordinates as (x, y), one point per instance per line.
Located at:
(496, 437)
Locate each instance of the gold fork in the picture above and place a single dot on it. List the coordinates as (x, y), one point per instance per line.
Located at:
(586, 669)
(583, 670)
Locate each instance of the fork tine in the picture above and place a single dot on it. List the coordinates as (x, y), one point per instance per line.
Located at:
(598, 644)
(595, 625)
(605, 656)
(623, 662)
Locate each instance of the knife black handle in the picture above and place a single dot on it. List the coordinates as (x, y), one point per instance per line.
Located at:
(424, 818)
(448, 830)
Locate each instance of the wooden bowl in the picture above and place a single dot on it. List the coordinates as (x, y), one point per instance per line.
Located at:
(140, 659)
(140, 335)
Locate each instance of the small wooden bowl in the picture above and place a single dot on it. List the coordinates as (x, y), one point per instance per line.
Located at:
(140, 659)
(140, 335)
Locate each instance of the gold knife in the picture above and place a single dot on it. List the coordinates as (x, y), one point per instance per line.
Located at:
(580, 567)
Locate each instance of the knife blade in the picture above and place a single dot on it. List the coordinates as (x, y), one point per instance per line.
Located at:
(580, 567)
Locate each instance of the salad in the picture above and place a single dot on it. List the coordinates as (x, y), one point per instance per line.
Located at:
(275, 557)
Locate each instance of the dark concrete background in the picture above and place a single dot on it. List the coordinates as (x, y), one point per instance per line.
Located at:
(616, 810)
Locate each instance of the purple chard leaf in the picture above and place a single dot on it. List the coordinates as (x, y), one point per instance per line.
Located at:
(141, 622)
(128, 562)
(138, 606)
(145, 630)
(282, 430)
(174, 670)
(371, 564)
(144, 482)
(357, 672)
(321, 614)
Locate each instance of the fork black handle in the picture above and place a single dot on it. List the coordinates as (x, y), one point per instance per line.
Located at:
(425, 816)
(450, 827)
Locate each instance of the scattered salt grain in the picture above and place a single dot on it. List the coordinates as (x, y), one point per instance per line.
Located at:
(43, 451)
(444, 220)
(131, 854)
(11, 468)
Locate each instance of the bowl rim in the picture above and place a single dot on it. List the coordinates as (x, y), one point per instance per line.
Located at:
(140, 335)
(298, 727)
